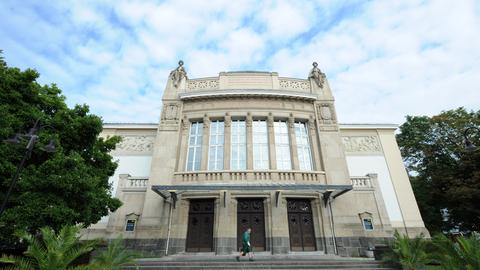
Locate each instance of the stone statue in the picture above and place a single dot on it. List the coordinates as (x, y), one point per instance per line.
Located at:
(178, 74)
(317, 75)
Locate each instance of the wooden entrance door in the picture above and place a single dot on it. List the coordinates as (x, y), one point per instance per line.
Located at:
(200, 226)
(300, 225)
(250, 214)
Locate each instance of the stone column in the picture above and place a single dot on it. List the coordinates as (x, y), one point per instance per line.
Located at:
(271, 142)
(293, 142)
(249, 142)
(205, 141)
(314, 147)
(227, 141)
(182, 159)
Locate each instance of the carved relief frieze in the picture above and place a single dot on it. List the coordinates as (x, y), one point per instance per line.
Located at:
(355, 144)
(138, 143)
(302, 85)
(209, 84)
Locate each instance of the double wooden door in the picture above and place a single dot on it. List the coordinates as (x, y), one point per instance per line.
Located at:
(200, 226)
(300, 225)
(250, 214)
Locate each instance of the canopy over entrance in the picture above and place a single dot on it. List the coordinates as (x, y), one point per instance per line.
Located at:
(328, 191)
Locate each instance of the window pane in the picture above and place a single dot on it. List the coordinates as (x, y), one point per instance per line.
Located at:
(215, 157)
(195, 147)
(303, 147)
(238, 145)
(282, 146)
(260, 145)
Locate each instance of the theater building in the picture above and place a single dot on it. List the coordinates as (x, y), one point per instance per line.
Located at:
(252, 149)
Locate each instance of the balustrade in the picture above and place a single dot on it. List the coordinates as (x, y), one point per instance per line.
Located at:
(250, 176)
(362, 182)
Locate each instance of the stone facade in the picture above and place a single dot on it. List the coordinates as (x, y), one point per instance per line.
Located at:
(355, 190)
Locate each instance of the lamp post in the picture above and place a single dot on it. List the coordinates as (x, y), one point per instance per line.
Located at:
(469, 146)
(32, 138)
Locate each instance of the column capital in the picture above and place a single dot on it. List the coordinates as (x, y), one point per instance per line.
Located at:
(311, 123)
(270, 119)
(206, 121)
(185, 123)
(227, 120)
(249, 119)
(291, 121)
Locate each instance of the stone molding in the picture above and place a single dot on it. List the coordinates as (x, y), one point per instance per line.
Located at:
(361, 144)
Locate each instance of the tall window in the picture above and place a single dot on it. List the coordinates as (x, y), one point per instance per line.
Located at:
(215, 153)
(282, 146)
(303, 147)
(260, 145)
(238, 149)
(195, 147)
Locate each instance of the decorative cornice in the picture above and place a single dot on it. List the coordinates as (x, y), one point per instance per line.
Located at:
(247, 93)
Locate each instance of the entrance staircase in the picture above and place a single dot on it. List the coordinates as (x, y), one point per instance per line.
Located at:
(297, 262)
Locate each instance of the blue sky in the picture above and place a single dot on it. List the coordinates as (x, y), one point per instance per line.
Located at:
(383, 59)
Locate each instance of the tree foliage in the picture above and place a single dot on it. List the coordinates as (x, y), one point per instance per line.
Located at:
(50, 250)
(445, 176)
(69, 186)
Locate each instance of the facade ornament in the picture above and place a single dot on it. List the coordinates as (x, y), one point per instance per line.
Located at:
(170, 111)
(270, 120)
(178, 74)
(206, 121)
(136, 144)
(358, 144)
(317, 75)
(227, 120)
(249, 120)
(291, 121)
(185, 123)
(311, 124)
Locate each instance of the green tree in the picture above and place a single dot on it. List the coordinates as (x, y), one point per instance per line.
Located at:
(445, 177)
(69, 186)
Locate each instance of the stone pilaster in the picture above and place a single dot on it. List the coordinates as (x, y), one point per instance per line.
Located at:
(249, 142)
(205, 141)
(279, 228)
(227, 141)
(314, 147)
(293, 142)
(271, 142)
(183, 151)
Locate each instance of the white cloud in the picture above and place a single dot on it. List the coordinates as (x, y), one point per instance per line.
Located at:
(383, 59)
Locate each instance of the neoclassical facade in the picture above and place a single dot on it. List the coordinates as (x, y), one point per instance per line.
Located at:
(252, 149)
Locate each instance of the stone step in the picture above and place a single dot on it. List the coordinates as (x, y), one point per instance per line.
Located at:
(262, 263)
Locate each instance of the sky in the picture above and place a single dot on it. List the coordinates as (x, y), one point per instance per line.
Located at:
(383, 59)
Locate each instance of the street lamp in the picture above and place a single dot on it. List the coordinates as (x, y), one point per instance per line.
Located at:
(32, 138)
(469, 146)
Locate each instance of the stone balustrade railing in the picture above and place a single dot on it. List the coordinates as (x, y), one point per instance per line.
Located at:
(136, 183)
(361, 182)
(250, 176)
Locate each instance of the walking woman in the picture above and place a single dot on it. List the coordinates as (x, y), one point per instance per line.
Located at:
(246, 247)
